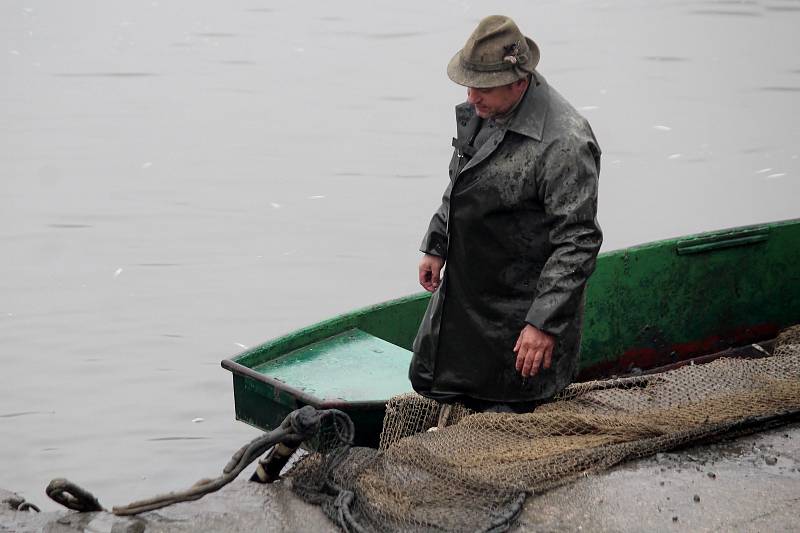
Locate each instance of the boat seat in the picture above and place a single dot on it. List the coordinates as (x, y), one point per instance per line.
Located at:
(352, 366)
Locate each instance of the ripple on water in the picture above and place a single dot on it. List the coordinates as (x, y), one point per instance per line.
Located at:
(105, 74)
(411, 176)
(756, 149)
(725, 13)
(26, 413)
(70, 226)
(779, 89)
(216, 34)
(782, 8)
(160, 439)
(394, 35)
(236, 62)
(666, 59)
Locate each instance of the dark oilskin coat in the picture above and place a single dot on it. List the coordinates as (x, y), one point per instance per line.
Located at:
(518, 231)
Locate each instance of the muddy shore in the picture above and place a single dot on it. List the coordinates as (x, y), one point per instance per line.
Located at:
(747, 484)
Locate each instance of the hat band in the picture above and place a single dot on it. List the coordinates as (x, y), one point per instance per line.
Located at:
(494, 67)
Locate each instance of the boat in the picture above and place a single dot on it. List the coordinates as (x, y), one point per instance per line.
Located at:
(649, 307)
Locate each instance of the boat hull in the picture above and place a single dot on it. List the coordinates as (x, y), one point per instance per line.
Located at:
(646, 306)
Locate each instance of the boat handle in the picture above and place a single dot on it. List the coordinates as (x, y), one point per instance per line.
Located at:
(722, 241)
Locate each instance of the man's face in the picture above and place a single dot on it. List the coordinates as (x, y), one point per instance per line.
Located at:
(496, 101)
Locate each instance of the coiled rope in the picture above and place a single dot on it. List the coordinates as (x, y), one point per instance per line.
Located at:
(298, 426)
(18, 503)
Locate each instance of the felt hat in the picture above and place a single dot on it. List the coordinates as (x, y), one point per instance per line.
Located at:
(495, 54)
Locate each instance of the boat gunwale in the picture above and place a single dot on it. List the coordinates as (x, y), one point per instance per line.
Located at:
(298, 394)
(311, 333)
(349, 319)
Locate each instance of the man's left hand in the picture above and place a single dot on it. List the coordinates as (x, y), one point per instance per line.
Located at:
(534, 350)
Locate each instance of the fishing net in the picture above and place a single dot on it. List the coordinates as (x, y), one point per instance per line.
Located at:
(475, 471)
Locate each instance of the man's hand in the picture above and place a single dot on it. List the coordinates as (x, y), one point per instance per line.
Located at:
(534, 350)
(430, 272)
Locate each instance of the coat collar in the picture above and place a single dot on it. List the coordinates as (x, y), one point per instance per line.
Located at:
(529, 120)
(467, 122)
(532, 113)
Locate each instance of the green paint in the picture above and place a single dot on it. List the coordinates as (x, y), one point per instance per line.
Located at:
(352, 366)
(394, 321)
(676, 292)
(256, 403)
(704, 292)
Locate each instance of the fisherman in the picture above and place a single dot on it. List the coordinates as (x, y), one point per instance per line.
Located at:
(517, 230)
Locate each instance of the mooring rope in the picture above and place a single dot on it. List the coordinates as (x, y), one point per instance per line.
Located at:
(18, 503)
(298, 426)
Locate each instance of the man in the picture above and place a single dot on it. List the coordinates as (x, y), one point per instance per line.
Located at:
(517, 230)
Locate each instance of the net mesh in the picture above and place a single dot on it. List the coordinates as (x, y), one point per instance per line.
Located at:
(475, 470)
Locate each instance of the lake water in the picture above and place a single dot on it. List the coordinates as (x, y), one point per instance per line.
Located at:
(183, 179)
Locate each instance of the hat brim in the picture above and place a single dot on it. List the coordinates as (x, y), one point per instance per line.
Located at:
(484, 80)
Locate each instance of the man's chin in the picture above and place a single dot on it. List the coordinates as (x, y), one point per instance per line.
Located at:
(483, 113)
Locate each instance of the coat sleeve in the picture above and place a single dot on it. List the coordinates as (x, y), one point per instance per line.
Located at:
(435, 240)
(568, 192)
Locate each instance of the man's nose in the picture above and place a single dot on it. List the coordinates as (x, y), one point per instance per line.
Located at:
(473, 96)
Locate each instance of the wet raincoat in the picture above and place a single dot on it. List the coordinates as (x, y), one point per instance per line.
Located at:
(518, 231)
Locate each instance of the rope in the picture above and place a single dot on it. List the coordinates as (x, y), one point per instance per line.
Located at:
(299, 425)
(18, 503)
(444, 415)
(72, 496)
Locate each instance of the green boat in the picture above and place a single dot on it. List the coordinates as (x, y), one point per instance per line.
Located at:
(648, 307)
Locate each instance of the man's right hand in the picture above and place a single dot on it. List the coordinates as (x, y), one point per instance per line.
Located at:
(430, 272)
